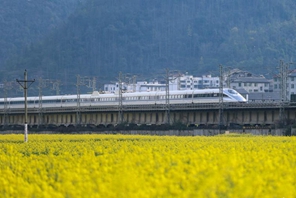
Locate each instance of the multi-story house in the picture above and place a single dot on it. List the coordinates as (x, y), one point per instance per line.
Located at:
(252, 84)
(189, 82)
(291, 84)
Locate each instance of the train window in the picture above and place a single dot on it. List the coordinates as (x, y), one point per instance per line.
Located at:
(231, 91)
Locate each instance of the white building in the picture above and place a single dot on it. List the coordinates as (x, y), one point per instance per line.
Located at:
(189, 82)
(235, 79)
(183, 82)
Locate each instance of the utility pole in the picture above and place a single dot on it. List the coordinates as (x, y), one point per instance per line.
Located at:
(7, 86)
(167, 95)
(42, 84)
(284, 69)
(134, 83)
(120, 106)
(24, 84)
(86, 81)
(94, 82)
(78, 113)
(221, 104)
(56, 86)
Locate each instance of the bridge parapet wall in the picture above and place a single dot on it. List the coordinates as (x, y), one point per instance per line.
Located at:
(195, 132)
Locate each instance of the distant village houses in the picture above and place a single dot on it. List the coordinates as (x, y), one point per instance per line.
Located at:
(256, 88)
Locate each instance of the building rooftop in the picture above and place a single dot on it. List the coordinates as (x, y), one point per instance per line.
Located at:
(250, 80)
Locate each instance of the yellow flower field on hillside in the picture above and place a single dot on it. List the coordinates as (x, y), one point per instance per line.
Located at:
(147, 166)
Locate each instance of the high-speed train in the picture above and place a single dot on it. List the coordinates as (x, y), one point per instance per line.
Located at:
(134, 98)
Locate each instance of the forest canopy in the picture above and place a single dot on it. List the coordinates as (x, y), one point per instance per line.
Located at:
(62, 39)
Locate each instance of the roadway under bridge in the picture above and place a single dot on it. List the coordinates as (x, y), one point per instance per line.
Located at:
(195, 115)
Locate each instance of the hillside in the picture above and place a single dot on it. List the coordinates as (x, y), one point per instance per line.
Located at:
(23, 23)
(143, 37)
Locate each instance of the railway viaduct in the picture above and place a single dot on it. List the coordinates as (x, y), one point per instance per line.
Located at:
(199, 115)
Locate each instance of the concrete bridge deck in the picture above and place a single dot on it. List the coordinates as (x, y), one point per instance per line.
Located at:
(243, 114)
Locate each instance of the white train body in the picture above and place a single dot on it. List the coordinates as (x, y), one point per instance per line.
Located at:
(135, 98)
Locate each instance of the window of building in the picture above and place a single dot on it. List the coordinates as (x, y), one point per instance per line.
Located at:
(292, 78)
(245, 84)
(255, 90)
(265, 84)
(255, 84)
(239, 84)
(250, 84)
(292, 86)
(275, 86)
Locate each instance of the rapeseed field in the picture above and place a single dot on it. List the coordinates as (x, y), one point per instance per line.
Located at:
(147, 166)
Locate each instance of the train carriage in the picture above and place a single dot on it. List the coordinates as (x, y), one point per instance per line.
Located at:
(134, 98)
